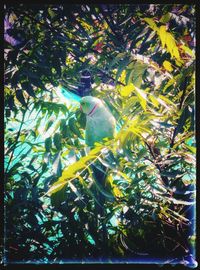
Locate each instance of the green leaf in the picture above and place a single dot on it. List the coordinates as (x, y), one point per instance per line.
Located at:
(141, 168)
(58, 196)
(51, 13)
(11, 102)
(122, 66)
(135, 76)
(28, 88)
(129, 75)
(15, 168)
(81, 119)
(182, 120)
(57, 165)
(171, 82)
(57, 141)
(74, 128)
(65, 132)
(165, 18)
(48, 144)
(172, 173)
(141, 154)
(37, 125)
(48, 125)
(20, 97)
(116, 59)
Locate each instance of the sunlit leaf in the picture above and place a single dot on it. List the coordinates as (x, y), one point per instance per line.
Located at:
(151, 23)
(167, 65)
(163, 35)
(154, 100)
(73, 171)
(142, 97)
(187, 50)
(126, 90)
(191, 148)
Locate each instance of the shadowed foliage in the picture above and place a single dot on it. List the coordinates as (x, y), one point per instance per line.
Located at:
(141, 63)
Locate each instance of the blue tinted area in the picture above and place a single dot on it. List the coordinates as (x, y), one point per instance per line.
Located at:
(68, 95)
(188, 261)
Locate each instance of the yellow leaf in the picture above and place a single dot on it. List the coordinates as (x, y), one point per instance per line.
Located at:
(124, 176)
(121, 55)
(12, 18)
(187, 50)
(115, 189)
(123, 76)
(73, 170)
(163, 34)
(171, 46)
(51, 13)
(56, 187)
(170, 42)
(176, 53)
(142, 97)
(117, 192)
(167, 65)
(65, 153)
(105, 25)
(191, 148)
(123, 136)
(129, 104)
(151, 23)
(126, 90)
(169, 102)
(154, 100)
(179, 63)
(7, 90)
(135, 131)
(84, 24)
(138, 71)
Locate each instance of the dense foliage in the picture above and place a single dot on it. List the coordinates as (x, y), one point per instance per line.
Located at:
(141, 58)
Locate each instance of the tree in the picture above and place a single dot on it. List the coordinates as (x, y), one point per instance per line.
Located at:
(141, 59)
